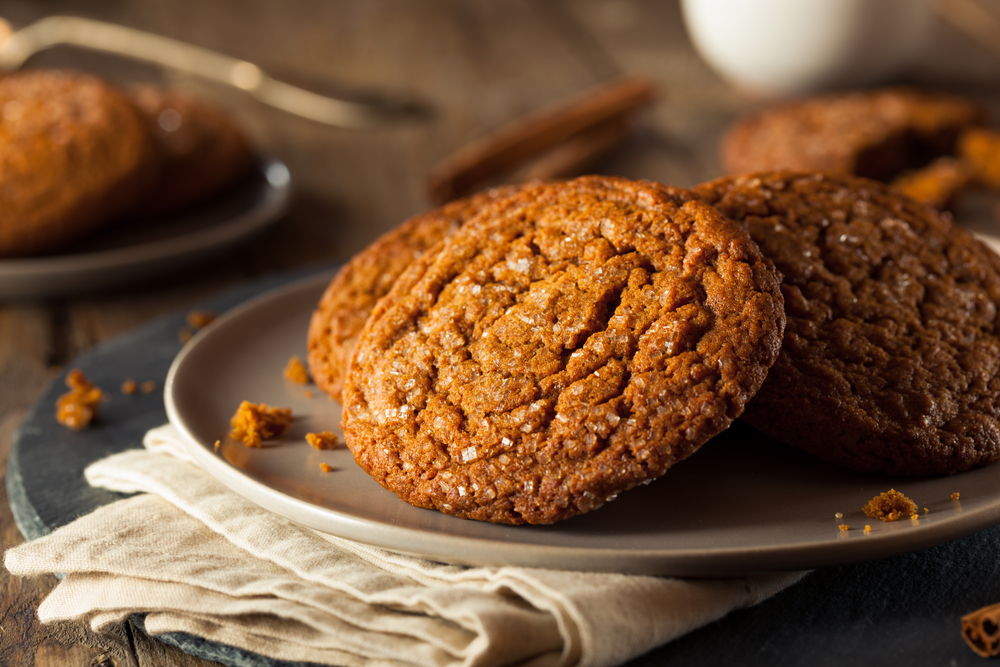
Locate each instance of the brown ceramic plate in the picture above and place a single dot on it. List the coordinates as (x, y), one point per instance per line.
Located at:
(742, 504)
(131, 251)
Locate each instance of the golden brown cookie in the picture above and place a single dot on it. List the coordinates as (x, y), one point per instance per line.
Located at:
(566, 344)
(876, 133)
(74, 155)
(203, 149)
(891, 356)
(351, 295)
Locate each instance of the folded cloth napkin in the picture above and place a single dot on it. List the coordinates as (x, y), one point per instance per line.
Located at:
(198, 558)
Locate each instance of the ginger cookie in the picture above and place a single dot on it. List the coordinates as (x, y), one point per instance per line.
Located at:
(348, 300)
(203, 149)
(564, 345)
(891, 355)
(74, 155)
(876, 133)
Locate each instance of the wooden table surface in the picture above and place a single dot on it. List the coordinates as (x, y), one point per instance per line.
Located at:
(477, 63)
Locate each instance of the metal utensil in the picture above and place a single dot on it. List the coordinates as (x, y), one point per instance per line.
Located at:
(17, 46)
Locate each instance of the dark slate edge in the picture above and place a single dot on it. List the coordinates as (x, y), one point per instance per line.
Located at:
(43, 496)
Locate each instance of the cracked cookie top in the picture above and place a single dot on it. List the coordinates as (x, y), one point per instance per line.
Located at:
(566, 344)
(350, 297)
(891, 355)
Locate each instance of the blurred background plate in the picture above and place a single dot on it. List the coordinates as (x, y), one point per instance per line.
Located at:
(131, 252)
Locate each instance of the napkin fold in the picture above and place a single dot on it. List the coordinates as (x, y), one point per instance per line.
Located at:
(197, 558)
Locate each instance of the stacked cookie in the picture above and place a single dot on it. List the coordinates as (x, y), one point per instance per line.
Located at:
(562, 343)
(78, 154)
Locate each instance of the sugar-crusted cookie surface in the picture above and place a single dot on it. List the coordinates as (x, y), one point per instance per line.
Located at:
(891, 355)
(566, 344)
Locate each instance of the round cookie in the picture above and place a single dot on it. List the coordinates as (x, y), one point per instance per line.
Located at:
(891, 356)
(566, 344)
(203, 150)
(74, 155)
(350, 297)
(876, 133)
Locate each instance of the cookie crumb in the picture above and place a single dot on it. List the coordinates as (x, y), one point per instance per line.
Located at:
(955, 496)
(325, 467)
(324, 440)
(200, 318)
(129, 387)
(296, 371)
(838, 516)
(868, 528)
(218, 444)
(914, 516)
(255, 422)
(889, 506)
(844, 527)
(926, 510)
(148, 387)
(77, 408)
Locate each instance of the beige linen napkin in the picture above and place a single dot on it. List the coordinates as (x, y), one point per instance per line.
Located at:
(199, 558)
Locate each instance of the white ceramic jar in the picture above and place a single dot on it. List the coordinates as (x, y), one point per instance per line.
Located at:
(780, 48)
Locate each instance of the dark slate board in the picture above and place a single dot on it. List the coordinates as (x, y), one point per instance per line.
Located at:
(900, 610)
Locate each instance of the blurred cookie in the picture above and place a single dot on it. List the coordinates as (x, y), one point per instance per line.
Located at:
(351, 295)
(74, 155)
(891, 355)
(564, 345)
(203, 149)
(876, 134)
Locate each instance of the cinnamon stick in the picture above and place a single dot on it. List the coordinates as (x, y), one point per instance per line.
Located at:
(602, 110)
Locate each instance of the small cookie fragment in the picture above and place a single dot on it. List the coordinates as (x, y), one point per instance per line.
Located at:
(890, 506)
(936, 184)
(196, 319)
(844, 527)
(296, 371)
(255, 422)
(326, 467)
(78, 407)
(130, 387)
(955, 496)
(324, 440)
(200, 318)
(980, 148)
(868, 529)
(147, 387)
